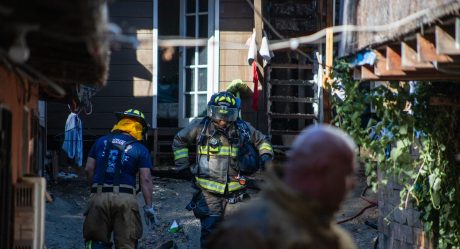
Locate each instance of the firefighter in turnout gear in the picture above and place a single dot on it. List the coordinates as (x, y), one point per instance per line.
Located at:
(112, 165)
(225, 147)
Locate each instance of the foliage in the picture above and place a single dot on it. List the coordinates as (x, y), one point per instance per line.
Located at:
(410, 141)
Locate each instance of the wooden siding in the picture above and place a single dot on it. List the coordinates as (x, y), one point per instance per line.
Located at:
(236, 26)
(236, 23)
(129, 83)
(235, 15)
(15, 100)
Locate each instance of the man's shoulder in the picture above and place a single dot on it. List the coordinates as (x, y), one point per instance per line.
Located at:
(245, 125)
(101, 139)
(255, 213)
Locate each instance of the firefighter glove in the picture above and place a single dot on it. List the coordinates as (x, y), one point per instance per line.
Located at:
(151, 216)
(263, 160)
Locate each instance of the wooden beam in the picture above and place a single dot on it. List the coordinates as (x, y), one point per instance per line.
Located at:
(258, 22)
(422, 76)
(380, 67)
(364, 73)
(409, 58)
(330, 13)
(258, 28)
(445, 41)
(448, 66)
(327, 75)
(426, 51)
(393, 58)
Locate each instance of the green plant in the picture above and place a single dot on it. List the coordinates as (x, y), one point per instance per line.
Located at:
(410, 141)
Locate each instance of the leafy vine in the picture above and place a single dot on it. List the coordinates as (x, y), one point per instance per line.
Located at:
(411, 140)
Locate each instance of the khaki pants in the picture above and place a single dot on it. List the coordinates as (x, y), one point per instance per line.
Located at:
(113, 212)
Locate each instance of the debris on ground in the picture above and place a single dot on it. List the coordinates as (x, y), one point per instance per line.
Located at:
(64, 216)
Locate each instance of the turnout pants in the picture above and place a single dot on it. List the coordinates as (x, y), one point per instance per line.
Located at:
(113, 212)
(210, 209)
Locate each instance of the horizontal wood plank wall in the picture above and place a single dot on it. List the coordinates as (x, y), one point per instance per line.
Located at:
(14, 98)
(236, 24)
(129, 83)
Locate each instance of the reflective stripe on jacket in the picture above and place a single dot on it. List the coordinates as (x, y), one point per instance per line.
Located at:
(216, 164)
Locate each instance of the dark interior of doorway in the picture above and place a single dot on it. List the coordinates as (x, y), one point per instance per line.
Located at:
(6, 187)
(168, 64)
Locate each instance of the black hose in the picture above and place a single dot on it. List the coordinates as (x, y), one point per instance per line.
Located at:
(358, 214)
(371, 204)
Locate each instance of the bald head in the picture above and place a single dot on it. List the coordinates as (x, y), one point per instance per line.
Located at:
(321, 165)
(318, 142)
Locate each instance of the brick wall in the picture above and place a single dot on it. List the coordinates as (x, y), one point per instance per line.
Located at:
(398, 228)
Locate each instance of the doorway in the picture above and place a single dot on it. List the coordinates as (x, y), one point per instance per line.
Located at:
(186, 75)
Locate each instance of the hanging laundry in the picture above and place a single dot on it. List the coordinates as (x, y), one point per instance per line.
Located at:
(73, 142)
(265, 51)
(252, 51)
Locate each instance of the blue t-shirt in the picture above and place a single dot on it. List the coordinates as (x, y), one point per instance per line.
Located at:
(135, 156)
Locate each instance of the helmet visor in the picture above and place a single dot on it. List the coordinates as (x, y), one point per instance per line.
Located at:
(223, 113)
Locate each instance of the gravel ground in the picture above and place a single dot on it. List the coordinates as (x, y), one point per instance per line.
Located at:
(64, 216)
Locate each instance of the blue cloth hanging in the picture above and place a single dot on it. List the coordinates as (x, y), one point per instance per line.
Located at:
(73, 141)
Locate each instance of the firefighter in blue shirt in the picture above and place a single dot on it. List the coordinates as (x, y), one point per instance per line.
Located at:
(112, 165)
(220, 170)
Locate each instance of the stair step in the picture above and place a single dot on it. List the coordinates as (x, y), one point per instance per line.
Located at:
(291, 66)
(280, 147)
(292, 115)
(284, 132)
(292, 99)
(165, 131)
(168, 142)
(277, 82)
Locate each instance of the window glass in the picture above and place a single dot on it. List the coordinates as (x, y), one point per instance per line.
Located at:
(189, 79)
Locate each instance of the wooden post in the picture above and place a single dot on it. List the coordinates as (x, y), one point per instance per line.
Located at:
(258, 22)
(258, 28)
(329, 62)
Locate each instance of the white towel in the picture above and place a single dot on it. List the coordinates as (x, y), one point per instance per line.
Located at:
(73, 142)
(265, 51)
(252, 52)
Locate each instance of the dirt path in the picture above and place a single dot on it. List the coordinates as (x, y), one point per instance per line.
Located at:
(64, 216)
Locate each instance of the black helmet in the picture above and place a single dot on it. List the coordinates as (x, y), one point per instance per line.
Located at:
(134, 114)
(224, 105)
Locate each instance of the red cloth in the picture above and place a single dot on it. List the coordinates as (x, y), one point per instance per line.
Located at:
(255, 79)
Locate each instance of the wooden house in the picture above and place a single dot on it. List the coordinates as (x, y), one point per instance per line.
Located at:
(412, 40)
(189, 50)
(47, 48)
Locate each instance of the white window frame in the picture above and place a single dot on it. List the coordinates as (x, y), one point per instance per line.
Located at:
(212, 59)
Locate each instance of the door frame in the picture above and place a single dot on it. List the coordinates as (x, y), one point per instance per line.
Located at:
(212, 59)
